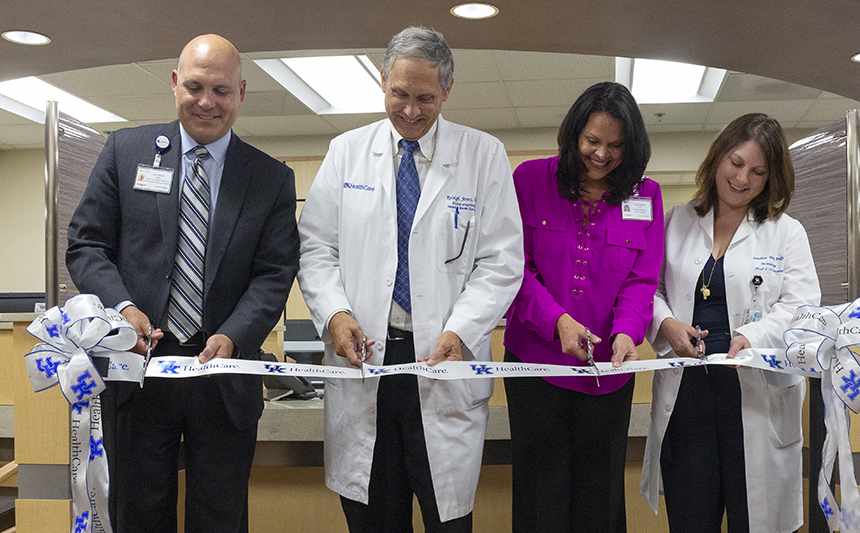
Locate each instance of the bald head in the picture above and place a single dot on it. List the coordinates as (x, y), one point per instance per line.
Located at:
(208, 86)
(211, 47)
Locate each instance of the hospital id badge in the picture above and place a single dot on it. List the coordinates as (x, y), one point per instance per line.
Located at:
(153, 179)
(752, 315)
(636, 208)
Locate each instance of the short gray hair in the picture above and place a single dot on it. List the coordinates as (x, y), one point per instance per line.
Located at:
(422, 43)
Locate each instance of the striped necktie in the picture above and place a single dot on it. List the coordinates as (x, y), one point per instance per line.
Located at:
(408, 192)
(185, 308)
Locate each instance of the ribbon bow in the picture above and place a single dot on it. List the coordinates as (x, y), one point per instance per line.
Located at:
(827, 340)
(70, 337)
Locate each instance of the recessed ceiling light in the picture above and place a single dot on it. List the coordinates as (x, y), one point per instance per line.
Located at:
(474, 11)
(30, 38)
(856, 58)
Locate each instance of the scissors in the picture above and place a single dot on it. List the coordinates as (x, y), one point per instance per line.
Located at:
(699, 349)
(363, 354)
(148, 355)
(591, 356)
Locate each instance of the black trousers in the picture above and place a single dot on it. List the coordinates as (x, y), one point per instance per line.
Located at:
(400, 465)
(144, 430)
(702, 457)
(568, 452)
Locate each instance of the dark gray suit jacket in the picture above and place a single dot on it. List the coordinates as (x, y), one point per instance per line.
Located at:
(122, 244)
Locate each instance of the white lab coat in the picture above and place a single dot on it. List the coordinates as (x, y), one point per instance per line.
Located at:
(348, 234)
(770, 402)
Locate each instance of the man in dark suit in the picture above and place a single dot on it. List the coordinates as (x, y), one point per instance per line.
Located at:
(198, 250)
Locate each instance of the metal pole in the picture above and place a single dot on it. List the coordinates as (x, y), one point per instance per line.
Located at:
(852, 131)
(52, 159)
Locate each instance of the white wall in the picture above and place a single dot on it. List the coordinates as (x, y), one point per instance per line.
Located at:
(22, 220)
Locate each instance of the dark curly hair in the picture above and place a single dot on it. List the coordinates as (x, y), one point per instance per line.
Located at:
(616, 101)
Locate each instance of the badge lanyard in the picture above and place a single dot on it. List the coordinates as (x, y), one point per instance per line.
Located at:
(637, 208)
(754, 311)
(155, 178)
(161, 144)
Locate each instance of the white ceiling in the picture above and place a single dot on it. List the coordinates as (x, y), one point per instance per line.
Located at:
(493, 90)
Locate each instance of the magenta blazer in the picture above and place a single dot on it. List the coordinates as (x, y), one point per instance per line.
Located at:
(605, 280)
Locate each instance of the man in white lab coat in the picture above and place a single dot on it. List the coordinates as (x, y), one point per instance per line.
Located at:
(411, 238)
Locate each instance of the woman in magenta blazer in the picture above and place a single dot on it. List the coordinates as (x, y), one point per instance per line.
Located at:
(593, 239)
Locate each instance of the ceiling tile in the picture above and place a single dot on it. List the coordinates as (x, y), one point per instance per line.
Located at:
(541, 117)
(552, 66)
(343, 123)
(540, 93)
(475, 66)
(161, 69)
(785, 111)
(159, 107)
(813, 125)
(484, 119)
(477, 95)
(739, 87)
(279, 102)
(241, 132)
(105, 128)
(665, 128)
(827, 109)
(117, 80)
(689, 113)
(285, 126)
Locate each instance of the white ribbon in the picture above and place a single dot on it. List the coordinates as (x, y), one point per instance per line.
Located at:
(822, 342)
(185, 367)
(827, 340)
(82, 329)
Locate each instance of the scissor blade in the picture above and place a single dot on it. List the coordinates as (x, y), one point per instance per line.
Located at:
(148, 356)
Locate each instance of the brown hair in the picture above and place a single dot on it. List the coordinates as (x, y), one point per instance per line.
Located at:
(779, 187)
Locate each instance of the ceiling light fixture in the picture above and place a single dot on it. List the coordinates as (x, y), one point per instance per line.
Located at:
(855, 58)
(30, 94)
(329, 85)
(474, 11)
(665, 82)
(29, 38)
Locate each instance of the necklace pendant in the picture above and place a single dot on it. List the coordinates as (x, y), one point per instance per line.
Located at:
(705, 292)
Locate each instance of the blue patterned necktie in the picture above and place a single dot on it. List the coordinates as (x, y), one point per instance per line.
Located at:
(408, 192)
(185, 307)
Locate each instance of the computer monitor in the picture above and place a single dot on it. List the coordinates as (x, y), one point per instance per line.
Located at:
(21, 302)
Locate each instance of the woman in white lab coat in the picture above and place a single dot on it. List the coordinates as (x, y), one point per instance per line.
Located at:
(726, 439)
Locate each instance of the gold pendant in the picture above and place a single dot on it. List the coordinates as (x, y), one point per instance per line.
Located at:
(705, 292)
